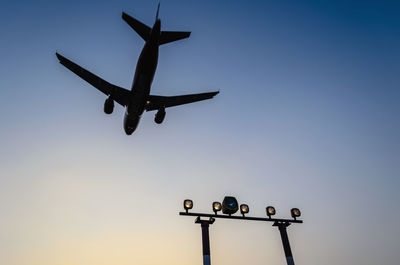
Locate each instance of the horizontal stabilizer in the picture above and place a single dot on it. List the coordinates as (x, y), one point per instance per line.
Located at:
(139, 27)
(170, 36)
(157, 102)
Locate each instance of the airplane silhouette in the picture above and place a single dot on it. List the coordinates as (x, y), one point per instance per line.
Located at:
(138, 99)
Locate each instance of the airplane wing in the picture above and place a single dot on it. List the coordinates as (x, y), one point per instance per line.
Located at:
(118, 94)
(157, 102)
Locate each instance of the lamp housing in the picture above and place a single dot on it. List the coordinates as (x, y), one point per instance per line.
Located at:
(187, 204)
(216, 207)
(295, 212)
(244, 208)
(229, 205)
(270, 211)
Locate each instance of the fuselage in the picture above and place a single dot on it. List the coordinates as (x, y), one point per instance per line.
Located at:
(144, 75)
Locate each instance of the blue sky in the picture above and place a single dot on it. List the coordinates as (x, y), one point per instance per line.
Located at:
(307, 117)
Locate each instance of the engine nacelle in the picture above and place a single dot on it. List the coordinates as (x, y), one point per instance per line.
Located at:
(109, 106)
(160, 115)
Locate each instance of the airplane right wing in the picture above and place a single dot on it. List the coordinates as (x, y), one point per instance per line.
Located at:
(117, 93)
(157, 102)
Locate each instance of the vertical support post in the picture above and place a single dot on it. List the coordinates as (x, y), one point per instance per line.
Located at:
(205, 224)
(206, 243)
(285, 241)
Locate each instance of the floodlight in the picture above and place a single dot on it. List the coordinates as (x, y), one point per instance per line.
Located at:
(270, 211)
(187, 204)
(216, 207)
(295, 213)
(244, 208)
(230, 205)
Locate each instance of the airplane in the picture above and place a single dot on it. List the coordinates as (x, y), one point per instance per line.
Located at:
(138, 99)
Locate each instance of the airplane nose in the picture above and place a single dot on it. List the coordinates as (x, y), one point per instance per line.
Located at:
(129, 130)
(130, 124)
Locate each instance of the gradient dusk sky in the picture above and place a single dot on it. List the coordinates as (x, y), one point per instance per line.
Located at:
(307, 116)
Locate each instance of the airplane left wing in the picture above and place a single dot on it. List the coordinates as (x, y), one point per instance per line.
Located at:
(157, 102)
(117, 93)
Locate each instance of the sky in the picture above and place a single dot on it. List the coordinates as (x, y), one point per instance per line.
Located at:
(307, 117)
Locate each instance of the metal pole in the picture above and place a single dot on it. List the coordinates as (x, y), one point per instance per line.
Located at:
(205, 224)
(206, 243)
(285, 241)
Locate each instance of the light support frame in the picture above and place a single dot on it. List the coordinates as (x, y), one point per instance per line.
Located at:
(282, 224)
(237, 217)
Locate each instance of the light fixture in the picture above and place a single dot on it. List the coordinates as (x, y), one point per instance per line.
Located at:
(230, 205)
(216, 207)
(244, 208)
(187, 204)
(270, 211)
(295, 213)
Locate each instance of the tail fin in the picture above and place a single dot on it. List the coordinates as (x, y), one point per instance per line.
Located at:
(170, 36)
(144, 31)
(139, 27)
(158, 9)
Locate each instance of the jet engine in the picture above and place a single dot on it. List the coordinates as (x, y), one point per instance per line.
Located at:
(109, 106)
(160, 115)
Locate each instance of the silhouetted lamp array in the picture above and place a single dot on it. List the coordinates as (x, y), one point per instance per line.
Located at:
(229, 207)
